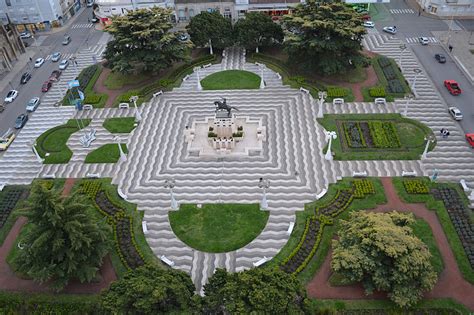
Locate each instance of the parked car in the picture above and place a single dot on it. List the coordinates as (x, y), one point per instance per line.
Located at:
(11, 95)
(33, 104)
(369, 24)
(39, 62)
(94, 19)
(25, 77)
(56, 56)
(470, 139)
(6, 140)
(453, 87)
(46, 86)
(182, 37)
(90, 3)
(54, 77)
(25, 35)
(66, 40)
(390, 29)
(21, 121)
(423, 40)
(63, 65)
(441, 58)
(455, 112)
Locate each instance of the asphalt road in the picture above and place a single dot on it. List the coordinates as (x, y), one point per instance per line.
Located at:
(47, 45)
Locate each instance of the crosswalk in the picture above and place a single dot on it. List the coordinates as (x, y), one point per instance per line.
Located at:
(402, 11)
(63, 56)
(415, 40)
(82, 25)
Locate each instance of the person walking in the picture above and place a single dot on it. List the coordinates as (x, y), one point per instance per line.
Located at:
(450, 48)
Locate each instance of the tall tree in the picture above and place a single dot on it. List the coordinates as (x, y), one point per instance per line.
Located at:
(210, 28)
(142, 41)
(257, 30)
(150, 290)
(325, 36)
(260, 290)
(380, 250)
(64, 239)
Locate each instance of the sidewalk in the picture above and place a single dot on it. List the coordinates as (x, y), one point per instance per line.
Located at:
(18, 67)
(65, 25)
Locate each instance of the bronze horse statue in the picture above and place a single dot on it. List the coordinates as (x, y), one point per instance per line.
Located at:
(223, 105)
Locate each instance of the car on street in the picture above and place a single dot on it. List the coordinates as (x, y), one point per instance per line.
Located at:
(90, 3)
(369, 24)
(63, 65)
(21, 121)
(423, 40)
(182, 37)
(25, 77)
(455, 113)
(56, 56)
(46, 86)
(25, 35)
(33, 104)
(440, 58)
(39, 62)
(390, 29)
(6, 140)
(453, 87)
(470, 139)
(54, 77)
(94, 19)
(66, 40)
(11, 95)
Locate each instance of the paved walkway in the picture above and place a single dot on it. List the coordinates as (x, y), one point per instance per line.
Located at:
(450, 283)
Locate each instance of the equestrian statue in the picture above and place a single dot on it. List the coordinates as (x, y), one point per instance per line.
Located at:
(223, 106)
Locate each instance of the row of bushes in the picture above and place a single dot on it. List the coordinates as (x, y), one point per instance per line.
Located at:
(335, 92)
(354, 136)
(87, 79)
(388, 72)
(378, 91)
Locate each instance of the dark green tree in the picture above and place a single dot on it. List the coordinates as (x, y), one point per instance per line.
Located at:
(257, 30)
(64, 240)
(150, 290)
(259, 291)
(210, 28)
(142, 41)
(325, 36)
(381, 251)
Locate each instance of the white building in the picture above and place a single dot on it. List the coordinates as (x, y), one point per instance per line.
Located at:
(448, 8)
(107, 8)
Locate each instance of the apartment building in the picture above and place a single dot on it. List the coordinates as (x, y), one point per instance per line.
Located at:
(11, 47)
(107, 8)
(448, 8)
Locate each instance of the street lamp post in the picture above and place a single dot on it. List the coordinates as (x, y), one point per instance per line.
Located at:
(199, 86)
(210, 47)
(33, 147)
(170, 183)
(403, 47)
(322, 96)
(408, 98)
(330, 135)
(138, 116)
(123, 157)
(417, 72)
(262, 80)
(264, 184)
(428, 140)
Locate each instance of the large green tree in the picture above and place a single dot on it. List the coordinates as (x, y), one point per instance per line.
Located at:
(381, 251)
(142, 41)
(210, 28)
(257, 30)
(325, 36)
(64, 240)
(259, 291)
(150, 290)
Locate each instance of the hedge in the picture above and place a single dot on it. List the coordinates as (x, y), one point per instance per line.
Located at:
(378, 91)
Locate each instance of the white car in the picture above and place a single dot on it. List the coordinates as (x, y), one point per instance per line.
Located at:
(63, 65)
(390, 29)
(368, 24)
(33, 104)
(423, 40)
(25, 35)
(56, 56)
(455, 112)
(39, 62)
(12, 94)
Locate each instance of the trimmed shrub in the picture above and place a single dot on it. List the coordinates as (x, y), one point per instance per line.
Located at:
(378, 91)
(92, 99)
(337, 92)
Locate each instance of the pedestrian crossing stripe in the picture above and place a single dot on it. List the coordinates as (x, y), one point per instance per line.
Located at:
(414, 40)
(402, 11)
(82, 25)
(63, 56)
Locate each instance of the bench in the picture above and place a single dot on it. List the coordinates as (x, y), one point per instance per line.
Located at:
(380, 101)
(186, 77)
(408, 174)
(261, 262)
(278, 76)
(93, 175)
(207, 66)
(359, 174)
(338, 101)
(87, 107)
(2, 185)
(121, 194)
(321, 194)
(290, 228)
(464, 185)
(144, 227)
(471, 196)
(258, 64)
(49, 176)
(124, 106)
(157, 93)
(167, 261)
(302, 89)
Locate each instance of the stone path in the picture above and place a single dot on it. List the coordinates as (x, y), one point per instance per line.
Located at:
(450, 283)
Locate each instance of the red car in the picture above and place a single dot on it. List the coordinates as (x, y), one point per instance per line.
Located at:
(46, 86)
(453, 87)
(470, 139)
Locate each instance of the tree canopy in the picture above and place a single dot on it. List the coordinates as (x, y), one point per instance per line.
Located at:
(325, 36)
(259, 290)
(256, 30)
(142, 41)
(150, 290)
(212, 26)
(64, 241)
(381, 251)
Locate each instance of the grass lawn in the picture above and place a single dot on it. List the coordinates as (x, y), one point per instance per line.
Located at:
(120, 124)
(53, 141)
(218, 228)
(411, 134)
(116, 80)
(231, 80)
(108, 153)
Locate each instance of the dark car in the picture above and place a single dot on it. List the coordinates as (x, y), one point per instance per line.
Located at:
(441, 58)
(25, 77)
(21, 121)
(55, 75)
(46, 86)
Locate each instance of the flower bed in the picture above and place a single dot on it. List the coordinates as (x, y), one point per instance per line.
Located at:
(362, 188)
(384, 134)
(390, 70)
(8, 200)
(415, 186)
(353, 135)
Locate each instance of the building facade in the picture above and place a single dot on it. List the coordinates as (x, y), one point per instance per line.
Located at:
(448, 8)
(108, 8)
(11, 47)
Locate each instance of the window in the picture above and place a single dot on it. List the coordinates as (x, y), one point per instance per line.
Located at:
(227, 13)
(191, 12)
(8, 3)
(181, 16)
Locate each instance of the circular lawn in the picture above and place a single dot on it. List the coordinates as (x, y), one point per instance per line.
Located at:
(218, 228)
(231, 80)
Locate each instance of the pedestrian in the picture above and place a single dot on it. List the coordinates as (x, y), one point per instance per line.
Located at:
(419, 12)
(450, 48)
(31, 59)
(88, 20)
(442, 131)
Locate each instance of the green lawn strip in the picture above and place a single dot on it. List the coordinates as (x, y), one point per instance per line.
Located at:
(108, 153)
(410, 132)
(423, 231)
(445, 221)
(53, 141)
(231, 80)
(116, 80)
(119, 124)
(91, 95)
(218, 228)
(15, 251)
(386, 307)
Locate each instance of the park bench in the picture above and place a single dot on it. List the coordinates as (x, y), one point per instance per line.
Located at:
(87, 107)
(167, 261)
(302, 89)
(124, 106)
(121, 194)
(49, 176)
(321, 194)
(464, 185)
(338, 101)
(290, 228)
(2, 185)
(359, 174)
(408, 174)
(261, 262)
(93, 175)
(144, 227)
(157, 93)
(380, 101)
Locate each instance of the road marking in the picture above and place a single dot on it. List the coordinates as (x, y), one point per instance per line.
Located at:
(402, 11)
(82, 25)
(414, 40)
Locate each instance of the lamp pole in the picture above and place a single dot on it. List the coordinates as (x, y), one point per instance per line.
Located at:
(417, 72)
(123, 157)
(264, 184)
(408, 98)
(262, 80)
(402, 49)
(199, 86)
(322, 96)
(170, 183)
(428, 140)
(330, 135)
(138, 116)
